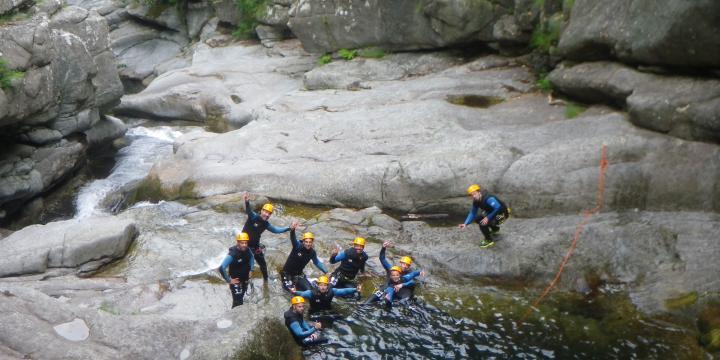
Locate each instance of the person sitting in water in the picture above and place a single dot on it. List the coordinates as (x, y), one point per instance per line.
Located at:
(405, 264)
(236, 268)
(302, 252)
(302, 332)
(254, 226)
(352, 261)
(395, 282)
(320, 298)
(494, 212)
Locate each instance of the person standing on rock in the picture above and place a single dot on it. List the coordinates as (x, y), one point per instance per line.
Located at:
(494, 212)
(254, 226)
(321, 297)
(303, 333)
(236, 268)
(351, 260)
(408, 291)
(301, 254)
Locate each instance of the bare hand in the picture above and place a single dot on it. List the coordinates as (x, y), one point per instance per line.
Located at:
(246, 196)
(318, 325)
(235, 281)
(422, 273)
(484, 221)
(359, 288)
(388, 244)
(335, 251)
(398, 287)
(294, 225)
(462, 226)
(292, 290)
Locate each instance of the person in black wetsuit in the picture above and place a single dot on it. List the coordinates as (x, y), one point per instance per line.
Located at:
(352, 261)
(320, 298)
(301, 254)
(303, 333)
(254, 227)
(394, 284)
(405, 263)
(236, 268)
(494, 212)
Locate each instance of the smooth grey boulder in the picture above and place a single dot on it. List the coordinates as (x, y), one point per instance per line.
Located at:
(107, 129)
(657, 256)
(198, 14)
(9, 6)
(408, 145)
(680, 106)
(65, 244)
(325, 26)
(664, 32)
(223, 83)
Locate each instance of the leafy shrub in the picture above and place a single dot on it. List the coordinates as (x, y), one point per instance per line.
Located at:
(372, 53)
(249, 10)
(347, 54)
(544, 83)
(325, 59)
(7, 75)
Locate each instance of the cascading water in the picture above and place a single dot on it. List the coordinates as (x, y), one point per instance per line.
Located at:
(133, 162)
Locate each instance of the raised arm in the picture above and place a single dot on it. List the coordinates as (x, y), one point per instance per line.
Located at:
(293, 240)
(248, 210)
(319, 264)
(337, 257)
(383, 261)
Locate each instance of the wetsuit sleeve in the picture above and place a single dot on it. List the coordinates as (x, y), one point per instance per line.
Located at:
(408, 283)
(277, 230)
(252, 262)
(472, 214)
(293, 240)
(344, 292)
(495, 204)
(319, 264)
(362, 268)
(411, 275)
(226, 262)
(248, 210)
(306, 294)
(298, 330)
(339, 257)
(383, 261)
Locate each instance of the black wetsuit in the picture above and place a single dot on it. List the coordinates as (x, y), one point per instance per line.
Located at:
(299, 257)
(254, 227)
(493, 208)
(300, 330)
(350, 264)
(239, 264)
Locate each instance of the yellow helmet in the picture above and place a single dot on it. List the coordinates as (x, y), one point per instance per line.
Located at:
(359, 241)
(396, 268)
(406, 260)
(297, 300)
(308, 235)
(243, 236)
(268, 207)
(323, 280)
(473, 188)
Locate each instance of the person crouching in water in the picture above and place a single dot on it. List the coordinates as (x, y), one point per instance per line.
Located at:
(303, 333)
(320, 298)
(236, 268)
(352, 261)
(301, 253)
(395, 282)
(408, 291)
(494, 213)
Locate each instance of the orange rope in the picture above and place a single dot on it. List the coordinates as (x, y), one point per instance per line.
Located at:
(578, 231)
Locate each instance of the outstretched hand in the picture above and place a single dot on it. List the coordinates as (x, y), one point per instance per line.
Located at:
(246, 196)
(388, 244)
(294, 225)
(335, 251)
(462, 226)
(422, 273)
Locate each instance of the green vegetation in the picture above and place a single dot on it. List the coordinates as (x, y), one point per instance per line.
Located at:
(709, 326)
(371, 53)
(572, 110)
(151, 190)
(347, 54)
(217, 123)
(544, 83)
(681, 301)
(270, 340)
(307, 212)
(250, 11)
(478, 101)
(547, 33)
(325, 59)
(7, 75)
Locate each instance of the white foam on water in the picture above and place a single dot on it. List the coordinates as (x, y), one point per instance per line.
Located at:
(133, 163)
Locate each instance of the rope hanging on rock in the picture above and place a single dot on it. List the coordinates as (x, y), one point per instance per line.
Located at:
(578, 230)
